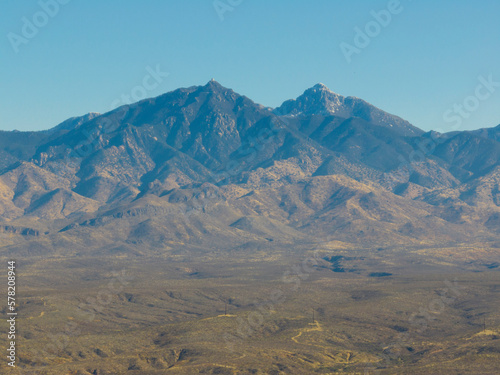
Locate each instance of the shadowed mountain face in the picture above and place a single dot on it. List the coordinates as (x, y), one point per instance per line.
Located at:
(208, 167)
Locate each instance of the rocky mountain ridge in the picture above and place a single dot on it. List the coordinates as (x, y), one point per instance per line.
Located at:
(208, 167)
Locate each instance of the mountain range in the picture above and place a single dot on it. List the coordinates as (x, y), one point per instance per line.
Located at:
(204, 167)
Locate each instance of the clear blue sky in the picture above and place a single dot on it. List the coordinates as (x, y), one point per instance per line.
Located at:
(427, 59)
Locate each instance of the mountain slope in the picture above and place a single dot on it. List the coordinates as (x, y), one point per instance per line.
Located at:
(208, 168)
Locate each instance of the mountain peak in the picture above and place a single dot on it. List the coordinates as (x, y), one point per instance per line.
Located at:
(213, 85)
(320, 100)
(320, 86)
(322, 90)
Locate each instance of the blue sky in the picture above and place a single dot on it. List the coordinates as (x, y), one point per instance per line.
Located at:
(88, 56)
